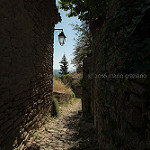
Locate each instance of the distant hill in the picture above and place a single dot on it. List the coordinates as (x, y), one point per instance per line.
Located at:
(56, 71)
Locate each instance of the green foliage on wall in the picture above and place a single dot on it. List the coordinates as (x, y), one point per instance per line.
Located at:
(122, 47)
(55, 106)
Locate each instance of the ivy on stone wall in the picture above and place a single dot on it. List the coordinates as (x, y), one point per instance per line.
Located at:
(123, 44)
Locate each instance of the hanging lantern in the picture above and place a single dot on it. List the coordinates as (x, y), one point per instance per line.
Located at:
(61, 38)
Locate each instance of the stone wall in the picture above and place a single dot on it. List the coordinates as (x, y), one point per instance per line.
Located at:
(62, 97)
(78, 91)
(86, 87)
(26, 62)
(120, 105)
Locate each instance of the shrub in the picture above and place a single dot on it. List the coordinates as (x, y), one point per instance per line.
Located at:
(72, 94)
(55, 106)
(67, 80)
(76, 83)
(58, 86)
(58, 78)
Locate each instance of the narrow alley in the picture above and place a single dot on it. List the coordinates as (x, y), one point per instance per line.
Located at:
(85, 62)
(70, 131)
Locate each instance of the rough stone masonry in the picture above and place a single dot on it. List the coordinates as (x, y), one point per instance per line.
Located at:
(26, 61)
(120, 106)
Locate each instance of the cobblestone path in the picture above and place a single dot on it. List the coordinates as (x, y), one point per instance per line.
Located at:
(68, 132)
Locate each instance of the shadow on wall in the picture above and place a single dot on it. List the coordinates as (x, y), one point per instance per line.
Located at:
(86, 138)
(10, 140)
(25, 80)
(79, 96)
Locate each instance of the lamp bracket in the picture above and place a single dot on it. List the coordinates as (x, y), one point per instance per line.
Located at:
(58, 29)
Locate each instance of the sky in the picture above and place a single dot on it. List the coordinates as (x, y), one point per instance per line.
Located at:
(68, 47)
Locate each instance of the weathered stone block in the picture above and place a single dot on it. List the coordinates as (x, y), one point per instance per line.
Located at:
(26, 64)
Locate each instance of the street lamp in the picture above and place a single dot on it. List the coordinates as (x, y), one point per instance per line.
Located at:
(61, 37)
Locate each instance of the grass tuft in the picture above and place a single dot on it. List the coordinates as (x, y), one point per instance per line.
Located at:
(58, 86)
(56, 112)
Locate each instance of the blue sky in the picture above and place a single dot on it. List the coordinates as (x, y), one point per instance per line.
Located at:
(68, 47)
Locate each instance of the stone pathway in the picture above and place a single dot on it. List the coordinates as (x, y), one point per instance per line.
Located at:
(68, 132)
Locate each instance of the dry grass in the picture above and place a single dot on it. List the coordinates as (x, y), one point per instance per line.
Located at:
(58, 86)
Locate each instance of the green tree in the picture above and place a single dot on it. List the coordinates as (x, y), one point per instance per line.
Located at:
(63, 66)
(85, 9)
(92, 14)
(82, 45)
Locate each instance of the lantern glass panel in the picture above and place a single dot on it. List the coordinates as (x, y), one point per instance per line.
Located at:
(61, 40)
